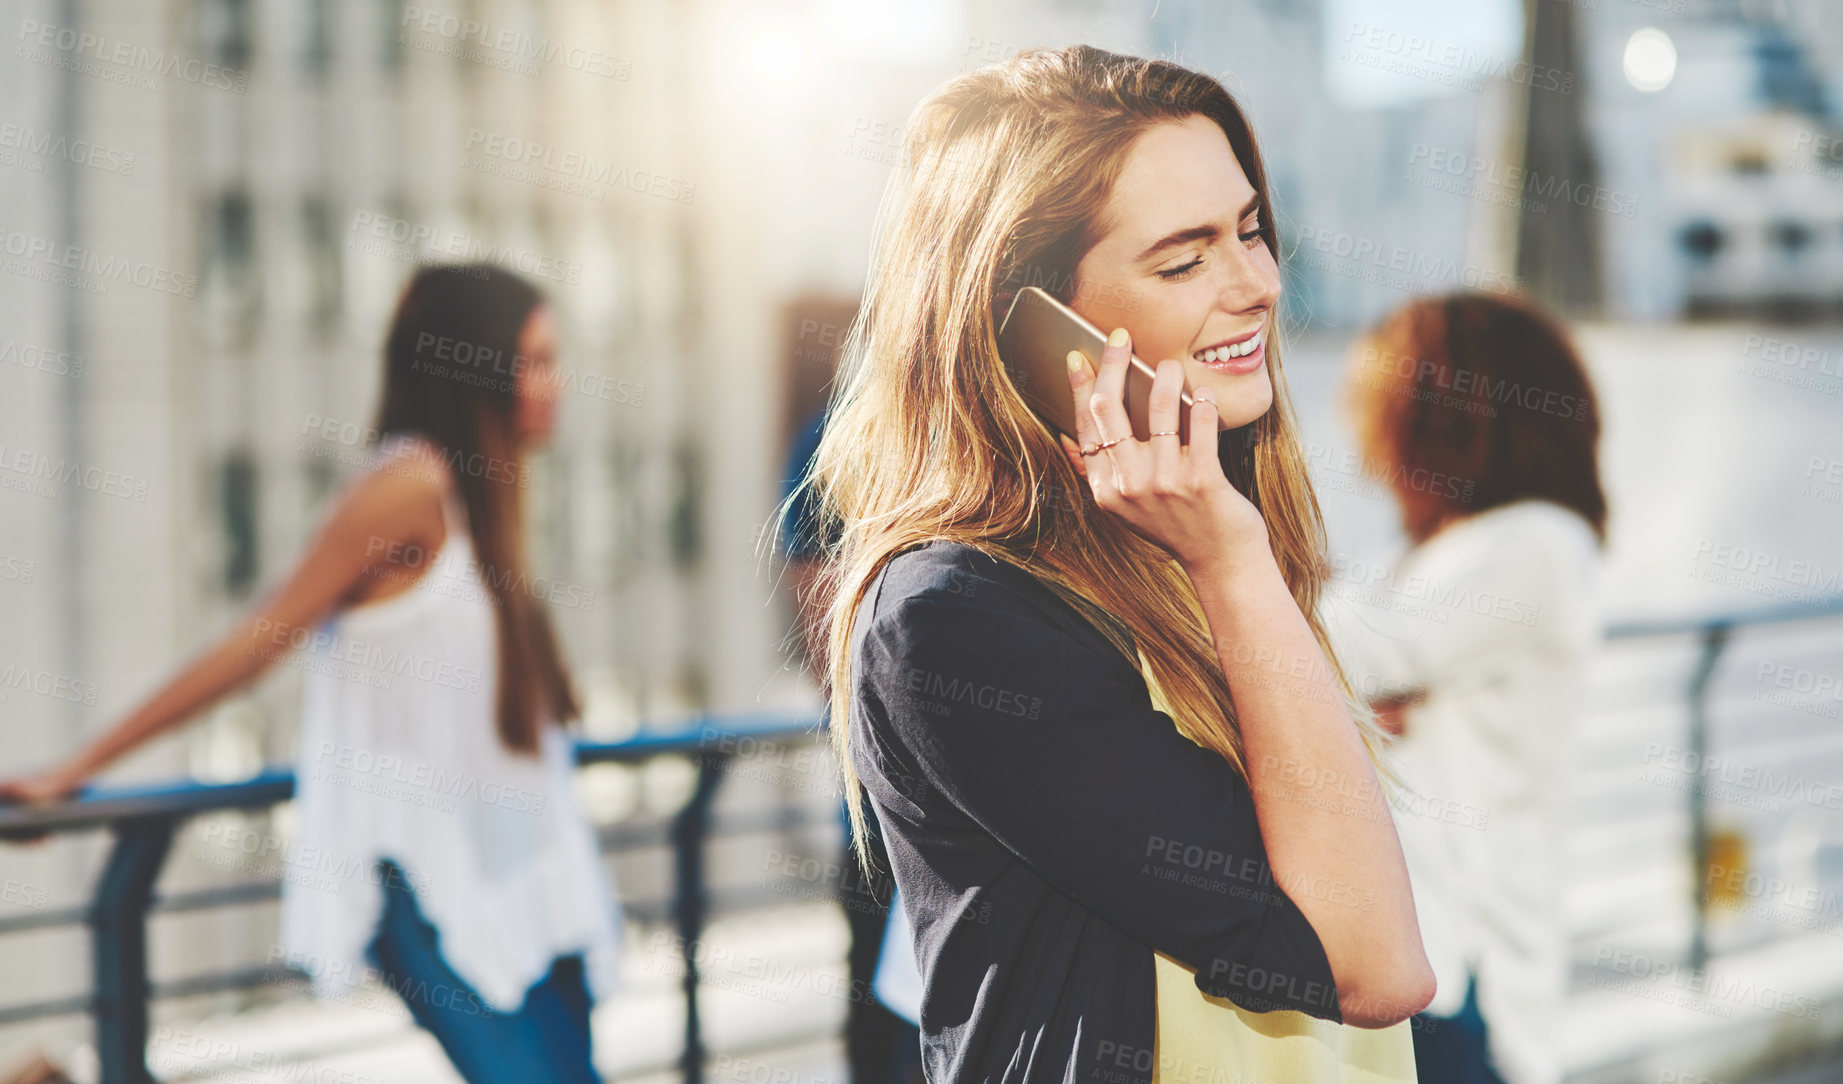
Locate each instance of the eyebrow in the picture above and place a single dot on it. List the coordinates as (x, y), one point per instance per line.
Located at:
(1193, 233)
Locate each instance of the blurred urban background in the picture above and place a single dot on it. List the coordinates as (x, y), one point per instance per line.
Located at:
(207, 208)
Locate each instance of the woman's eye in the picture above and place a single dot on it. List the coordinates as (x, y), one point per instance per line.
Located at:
(1253, 233)
(1180, 272)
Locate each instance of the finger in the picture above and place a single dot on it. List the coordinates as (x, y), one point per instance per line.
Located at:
(1108, 403)
(1203, 437)
(1081, 383)
(1073, 451)
(1097, 468)
(1162, 406)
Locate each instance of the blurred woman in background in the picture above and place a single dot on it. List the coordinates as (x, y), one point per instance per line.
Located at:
(1478, 415)
(438, 837)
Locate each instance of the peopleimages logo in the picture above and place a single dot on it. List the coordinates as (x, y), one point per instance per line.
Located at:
(76, 45)
(1467, 386)
(419, 240)
(577, 166)
(1443, 61)
(945, 689)
(87, 268)
(1764, 573)
(45, 683)
(515, 44)
(80, 151)
(375, 660)
(1532, 182)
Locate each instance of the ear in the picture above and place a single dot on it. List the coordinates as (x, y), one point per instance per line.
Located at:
(1073, 451)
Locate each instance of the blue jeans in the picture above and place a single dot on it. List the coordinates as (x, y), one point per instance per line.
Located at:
(1452, 1049)
(546, 1039)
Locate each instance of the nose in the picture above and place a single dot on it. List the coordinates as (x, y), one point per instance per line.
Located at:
(1250, 280)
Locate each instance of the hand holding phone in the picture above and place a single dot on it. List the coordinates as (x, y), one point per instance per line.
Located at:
(1172, 493)
(1036, 336)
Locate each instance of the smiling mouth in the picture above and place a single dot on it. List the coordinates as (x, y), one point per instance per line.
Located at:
(1229, 351)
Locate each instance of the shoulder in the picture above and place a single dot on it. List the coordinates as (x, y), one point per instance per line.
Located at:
(1531, 558)
(962, 577)
(1544, 522)
(945, 594)
(1527, 533)
(400, 493)
(417, 463)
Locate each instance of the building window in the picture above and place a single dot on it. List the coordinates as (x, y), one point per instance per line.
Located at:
(320, 249)
(231, 284)
(317, 45)
(224, 31)
(237, 503)
(390, 35)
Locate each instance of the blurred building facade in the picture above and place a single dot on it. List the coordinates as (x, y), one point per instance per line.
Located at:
(210, 208)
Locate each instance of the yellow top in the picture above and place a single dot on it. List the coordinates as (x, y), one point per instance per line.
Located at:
(1209, 1040)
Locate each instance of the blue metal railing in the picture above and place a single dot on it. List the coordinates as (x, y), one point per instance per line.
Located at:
(144, 819)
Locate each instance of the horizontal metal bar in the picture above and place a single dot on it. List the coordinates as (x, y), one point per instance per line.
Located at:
(38, 1010)
(214, 982)
(217, 896)
(1683, 626)
(63, 916)
(99, 807)
(656, 909)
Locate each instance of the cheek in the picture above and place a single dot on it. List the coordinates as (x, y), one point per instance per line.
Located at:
(537, 386)
(1106, 304)
(1165, 326)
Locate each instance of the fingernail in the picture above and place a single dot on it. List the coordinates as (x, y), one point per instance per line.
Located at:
(1118, 338)
(1076, 361)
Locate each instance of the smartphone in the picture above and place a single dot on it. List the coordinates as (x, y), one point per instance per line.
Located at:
(1034, 343)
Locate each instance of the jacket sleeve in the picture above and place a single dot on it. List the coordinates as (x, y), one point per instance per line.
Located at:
(1058, 753)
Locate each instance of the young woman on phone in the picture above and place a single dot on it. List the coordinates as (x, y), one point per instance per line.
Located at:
(1134, 821)
(434, 772)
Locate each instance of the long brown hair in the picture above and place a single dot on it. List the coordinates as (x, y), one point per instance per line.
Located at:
(1003, 176)
(1487, 391)
(450, 365)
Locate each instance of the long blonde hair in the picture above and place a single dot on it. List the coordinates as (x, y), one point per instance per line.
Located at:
(1001, 182)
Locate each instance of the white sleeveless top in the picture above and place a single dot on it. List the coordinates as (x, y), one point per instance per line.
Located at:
(400, 758)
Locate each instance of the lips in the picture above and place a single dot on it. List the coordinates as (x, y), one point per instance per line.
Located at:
(1243, 355)
(1234, 348)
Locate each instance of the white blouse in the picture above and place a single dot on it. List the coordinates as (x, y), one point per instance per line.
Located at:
(400, 757)
(1494, 618)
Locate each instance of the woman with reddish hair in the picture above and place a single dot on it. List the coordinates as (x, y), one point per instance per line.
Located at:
(1477, 414)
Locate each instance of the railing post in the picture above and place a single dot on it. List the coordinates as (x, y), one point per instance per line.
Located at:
(689, 831)
(1714, 639)
(118, 931)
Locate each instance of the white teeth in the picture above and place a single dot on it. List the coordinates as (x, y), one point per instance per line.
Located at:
(1234, 350)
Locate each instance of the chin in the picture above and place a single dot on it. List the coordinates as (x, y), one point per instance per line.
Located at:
(1240, 400)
